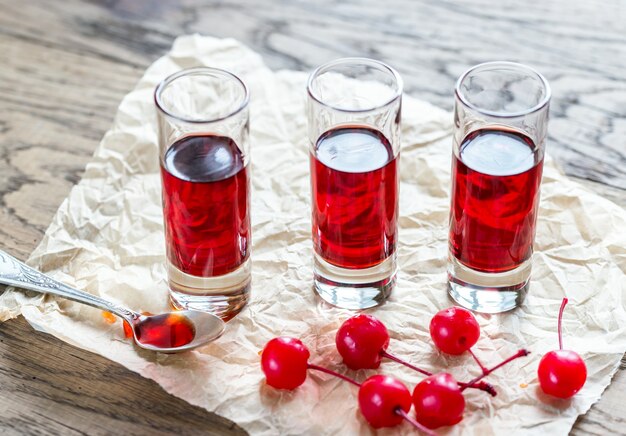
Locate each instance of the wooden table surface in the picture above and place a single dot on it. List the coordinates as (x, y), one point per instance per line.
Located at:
(65, 65)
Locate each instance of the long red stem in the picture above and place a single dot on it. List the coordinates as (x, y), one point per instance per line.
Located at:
(520, 353)
(482, 367)
(331, 372)
(563, 304)
(414, 422)
(405, 363)
(483, 386)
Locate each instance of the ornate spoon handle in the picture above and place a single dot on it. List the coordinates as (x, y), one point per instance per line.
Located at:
(15, 273)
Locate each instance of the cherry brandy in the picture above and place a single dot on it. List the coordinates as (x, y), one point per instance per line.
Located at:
(495, 195)
(355, 189)
(205, 205)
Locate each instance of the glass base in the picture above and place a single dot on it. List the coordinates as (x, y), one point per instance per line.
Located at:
(488, 292)
(354, 288)
(224, 296)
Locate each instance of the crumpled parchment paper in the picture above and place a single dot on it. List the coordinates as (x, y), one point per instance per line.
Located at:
(107, 238)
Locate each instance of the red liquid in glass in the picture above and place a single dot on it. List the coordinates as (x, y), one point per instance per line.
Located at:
(205, 205)
(495, 194)
(355, 191)
(165, 331)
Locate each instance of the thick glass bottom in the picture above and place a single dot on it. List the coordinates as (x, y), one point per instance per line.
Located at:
(224, 296)
(488, 292)
(354, 288)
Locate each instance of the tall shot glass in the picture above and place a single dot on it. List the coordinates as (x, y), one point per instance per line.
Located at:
(500, 127)
(204, 155)
(353, 110)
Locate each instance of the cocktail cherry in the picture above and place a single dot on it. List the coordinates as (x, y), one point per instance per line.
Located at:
(562, 373)
(454, 330)
(284, 362)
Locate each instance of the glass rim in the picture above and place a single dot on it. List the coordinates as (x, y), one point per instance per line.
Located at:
(199, 71)
(361, 61)
(498, 114)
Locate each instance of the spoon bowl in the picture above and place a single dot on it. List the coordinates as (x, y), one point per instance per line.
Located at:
(175, 332)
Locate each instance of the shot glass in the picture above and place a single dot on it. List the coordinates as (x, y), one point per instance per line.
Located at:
(500, 127)
(203, 127)
(353, 110)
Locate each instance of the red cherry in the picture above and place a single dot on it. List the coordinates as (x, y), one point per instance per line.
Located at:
(454, 330)
(438, 401)
(361, 340)
(284, 361)
(380, 400)
(562, 373)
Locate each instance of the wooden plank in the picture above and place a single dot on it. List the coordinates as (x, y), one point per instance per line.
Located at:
(66, 65)
(49, 387)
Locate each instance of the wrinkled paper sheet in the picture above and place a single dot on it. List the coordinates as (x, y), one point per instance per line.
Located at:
(107, 238)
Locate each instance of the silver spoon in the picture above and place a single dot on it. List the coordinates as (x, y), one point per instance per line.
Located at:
(207, 326)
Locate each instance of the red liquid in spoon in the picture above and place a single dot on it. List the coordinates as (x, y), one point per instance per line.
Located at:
(168, 330)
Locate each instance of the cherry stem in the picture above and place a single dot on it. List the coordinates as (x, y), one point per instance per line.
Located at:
(331, 372)
(563, 304)
(405, 363)
(482, 367)
(414, 423)
(520, 353)
(482, 385)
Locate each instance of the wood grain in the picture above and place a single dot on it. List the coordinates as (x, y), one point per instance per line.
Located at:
(66, 65)
(49, 387)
